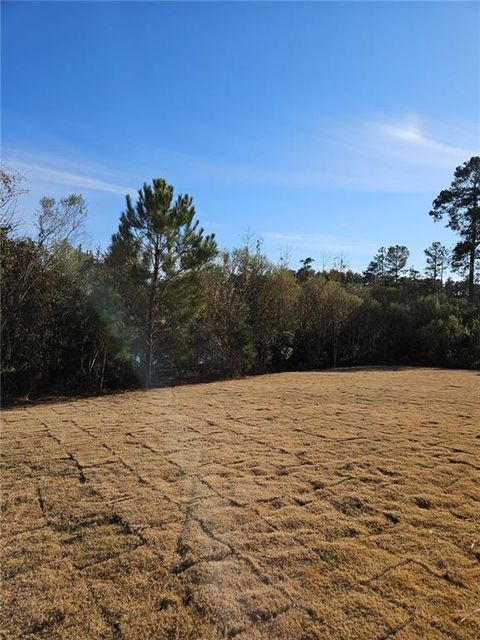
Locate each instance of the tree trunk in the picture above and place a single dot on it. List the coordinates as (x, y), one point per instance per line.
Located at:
(104, 362)
(335, 347)
(473, 249)
(471, 273)
(149, 357)
(151, 305)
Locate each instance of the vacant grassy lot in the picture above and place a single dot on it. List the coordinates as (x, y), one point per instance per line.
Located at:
(334, 505)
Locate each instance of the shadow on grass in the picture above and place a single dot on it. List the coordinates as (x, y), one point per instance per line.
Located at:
(177, 382)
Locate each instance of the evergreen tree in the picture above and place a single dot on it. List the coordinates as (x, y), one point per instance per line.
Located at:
(436, 258)
(395, 261)
(306, 270)
(377, 269)
(157, 252)
(461, 204)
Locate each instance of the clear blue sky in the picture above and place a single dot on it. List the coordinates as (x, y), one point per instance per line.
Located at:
(322, 127)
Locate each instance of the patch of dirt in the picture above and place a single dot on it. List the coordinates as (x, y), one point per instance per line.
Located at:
(333, 506)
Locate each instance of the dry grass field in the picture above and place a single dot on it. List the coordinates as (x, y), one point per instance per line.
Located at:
(338, 505)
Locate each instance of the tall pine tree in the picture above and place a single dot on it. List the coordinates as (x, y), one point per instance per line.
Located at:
(461, 204)
(155, 255)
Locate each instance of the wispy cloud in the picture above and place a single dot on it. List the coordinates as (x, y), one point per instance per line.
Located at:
(397, 154)
(414, 138)
(409, 141)
(320, 242)
(404, 154)
(375, 154)
(42, 171)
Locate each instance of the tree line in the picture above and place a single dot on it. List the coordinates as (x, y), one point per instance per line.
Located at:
(164, 302)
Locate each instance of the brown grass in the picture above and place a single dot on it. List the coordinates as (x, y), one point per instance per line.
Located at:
(331, 506)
